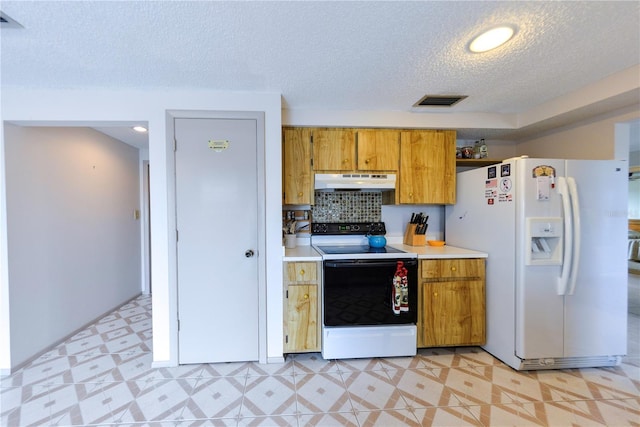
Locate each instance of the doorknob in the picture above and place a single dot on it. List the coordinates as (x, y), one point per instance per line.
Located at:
(248, 253)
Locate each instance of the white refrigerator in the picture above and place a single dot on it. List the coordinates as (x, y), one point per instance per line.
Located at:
(555, 231)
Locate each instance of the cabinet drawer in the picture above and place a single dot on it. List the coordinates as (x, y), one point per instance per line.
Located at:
(297, 272)
(445, 269)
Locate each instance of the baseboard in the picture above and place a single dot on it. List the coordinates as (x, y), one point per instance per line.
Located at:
(163, 364)
(7, 372)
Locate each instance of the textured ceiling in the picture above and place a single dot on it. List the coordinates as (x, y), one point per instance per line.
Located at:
(360, 55)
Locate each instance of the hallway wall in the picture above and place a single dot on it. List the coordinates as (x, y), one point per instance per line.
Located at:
(73, 242)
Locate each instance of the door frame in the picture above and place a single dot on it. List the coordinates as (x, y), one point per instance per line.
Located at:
(146, 229)
(259, 116)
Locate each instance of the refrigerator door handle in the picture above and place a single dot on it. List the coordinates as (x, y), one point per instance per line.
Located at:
(563, 280)
(575, 208)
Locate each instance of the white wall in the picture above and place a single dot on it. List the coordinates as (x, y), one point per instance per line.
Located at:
(73, 242)
(110, 106)
(591, 140)
(396, 218)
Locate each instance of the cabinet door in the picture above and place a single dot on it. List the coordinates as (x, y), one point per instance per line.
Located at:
(427, 167)
(301, 322)
(452, 313)
(296, 167)
(334, 150)
(378, 150)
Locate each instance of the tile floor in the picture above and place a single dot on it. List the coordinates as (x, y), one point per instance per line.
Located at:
(103, 376)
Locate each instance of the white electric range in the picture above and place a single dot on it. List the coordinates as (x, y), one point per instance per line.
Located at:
(369, 295)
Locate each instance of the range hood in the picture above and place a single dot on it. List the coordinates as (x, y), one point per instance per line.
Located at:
(355, 181)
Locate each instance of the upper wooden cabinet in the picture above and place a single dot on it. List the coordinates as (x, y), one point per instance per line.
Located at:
(351, 150)
(334, 150)
(378, 150)
(427, 167)
(297, 182)
(425, 161)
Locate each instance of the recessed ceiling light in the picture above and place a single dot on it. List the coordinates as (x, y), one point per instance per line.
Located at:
(140, 129)
(491, 39)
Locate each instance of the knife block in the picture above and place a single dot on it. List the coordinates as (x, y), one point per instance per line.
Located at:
(413, 239)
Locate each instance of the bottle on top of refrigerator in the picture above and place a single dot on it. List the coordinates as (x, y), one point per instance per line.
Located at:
(484, 151)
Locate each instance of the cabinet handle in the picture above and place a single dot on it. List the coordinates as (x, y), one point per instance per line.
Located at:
(366, 162)
(306, 296)
(410, 194)
(300, 194)
(302, 272)
(453, 269)
(345, 161)
(435, 294)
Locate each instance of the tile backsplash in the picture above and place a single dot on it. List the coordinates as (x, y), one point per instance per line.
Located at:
(347, 206)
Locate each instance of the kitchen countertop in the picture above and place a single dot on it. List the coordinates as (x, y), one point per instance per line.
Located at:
(436, 252)
(307, 253)
(301, 253)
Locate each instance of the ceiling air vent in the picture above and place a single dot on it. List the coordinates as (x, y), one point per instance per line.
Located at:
(439, 100)
(7, 22)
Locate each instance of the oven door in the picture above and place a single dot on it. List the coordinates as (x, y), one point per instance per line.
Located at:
(359, 292)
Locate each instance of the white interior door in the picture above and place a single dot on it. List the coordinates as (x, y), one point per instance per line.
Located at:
(217, 221)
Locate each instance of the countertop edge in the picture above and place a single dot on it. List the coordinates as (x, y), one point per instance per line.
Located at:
(441, 252)
(300, 253)
(308, 253)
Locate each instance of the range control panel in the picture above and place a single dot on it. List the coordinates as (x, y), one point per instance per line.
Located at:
(338, 228)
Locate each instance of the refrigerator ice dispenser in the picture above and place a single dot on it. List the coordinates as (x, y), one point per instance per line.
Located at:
(544, 236)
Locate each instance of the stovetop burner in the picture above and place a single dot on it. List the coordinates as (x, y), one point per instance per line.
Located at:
(348, 241)
(354, 251)
(357, 249)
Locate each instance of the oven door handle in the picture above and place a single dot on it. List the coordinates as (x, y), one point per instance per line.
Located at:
(368, 263)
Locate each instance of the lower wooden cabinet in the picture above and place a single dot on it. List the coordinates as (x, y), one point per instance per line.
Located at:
(302, 307)
(451, 304)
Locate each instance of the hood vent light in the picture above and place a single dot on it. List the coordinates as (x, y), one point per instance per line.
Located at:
(355, 181)
(439, 100)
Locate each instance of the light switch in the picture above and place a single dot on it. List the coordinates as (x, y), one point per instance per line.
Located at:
(136, 214)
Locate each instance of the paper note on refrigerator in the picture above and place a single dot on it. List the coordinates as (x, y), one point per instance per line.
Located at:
(543, 185)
